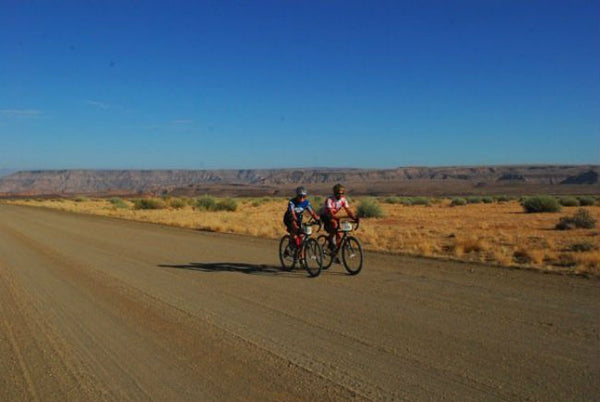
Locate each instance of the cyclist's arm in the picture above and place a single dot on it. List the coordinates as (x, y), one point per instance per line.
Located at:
(291, 210)
(349, 212)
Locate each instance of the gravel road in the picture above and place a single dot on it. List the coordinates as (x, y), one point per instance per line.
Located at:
(95, 308)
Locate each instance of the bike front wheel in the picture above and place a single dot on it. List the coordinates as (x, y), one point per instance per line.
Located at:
(313, 257)
(352, 255)
(287, 253)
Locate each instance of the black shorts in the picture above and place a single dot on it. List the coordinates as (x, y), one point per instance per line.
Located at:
(327, 222)
(288, 221)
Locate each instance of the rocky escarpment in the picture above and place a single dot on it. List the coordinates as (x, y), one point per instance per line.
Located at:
(442, 179)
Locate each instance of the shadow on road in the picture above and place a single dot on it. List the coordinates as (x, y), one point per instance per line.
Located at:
(260, 269)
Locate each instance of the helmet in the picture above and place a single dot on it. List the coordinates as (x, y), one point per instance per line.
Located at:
(301, 191)
(338, 188)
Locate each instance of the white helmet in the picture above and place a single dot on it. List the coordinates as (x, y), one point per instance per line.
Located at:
(301, 191)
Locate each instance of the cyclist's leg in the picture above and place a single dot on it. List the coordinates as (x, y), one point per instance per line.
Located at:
(292, 228)
(329, 228)
(335, 223)
(295, 232)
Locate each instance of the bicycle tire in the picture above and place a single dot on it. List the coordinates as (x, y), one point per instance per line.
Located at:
(323, 241)
(313, 257)
(287, 254)
(352, 255)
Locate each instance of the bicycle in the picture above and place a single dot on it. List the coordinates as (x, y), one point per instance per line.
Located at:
(350, 247)
(308, 253)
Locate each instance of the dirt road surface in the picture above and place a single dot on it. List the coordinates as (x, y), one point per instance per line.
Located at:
(94, 308)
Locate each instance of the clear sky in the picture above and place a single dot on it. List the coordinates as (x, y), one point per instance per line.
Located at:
(293, 83)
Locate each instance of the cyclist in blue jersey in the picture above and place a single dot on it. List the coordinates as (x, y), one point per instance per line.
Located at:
(293, 215)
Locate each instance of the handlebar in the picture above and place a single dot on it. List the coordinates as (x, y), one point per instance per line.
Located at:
(312, 222)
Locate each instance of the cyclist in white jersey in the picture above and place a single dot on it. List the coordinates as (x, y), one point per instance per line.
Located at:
(334, 204)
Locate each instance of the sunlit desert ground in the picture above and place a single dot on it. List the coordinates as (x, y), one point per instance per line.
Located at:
(498, 233)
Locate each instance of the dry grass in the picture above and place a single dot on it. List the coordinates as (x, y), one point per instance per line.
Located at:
(499, 233)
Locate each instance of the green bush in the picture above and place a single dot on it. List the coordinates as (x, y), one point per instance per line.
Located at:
(226, 204)
(585, 201)
(149, 203)
(406, 201)
(392, 200)
(458, 201)
(503, 198)
(582, 219)
(420, 201)
(568, 201)
(474, 199)
(487, 200)
(118, 203)
(540, 203)
(177, 203)
(206, 203)
(369, 208)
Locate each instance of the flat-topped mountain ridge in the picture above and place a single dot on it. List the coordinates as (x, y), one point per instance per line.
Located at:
(403, 180)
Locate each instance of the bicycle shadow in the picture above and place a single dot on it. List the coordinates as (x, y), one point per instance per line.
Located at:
(244, 268)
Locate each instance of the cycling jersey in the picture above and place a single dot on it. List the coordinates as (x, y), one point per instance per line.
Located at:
(298, 208)
(333, 205)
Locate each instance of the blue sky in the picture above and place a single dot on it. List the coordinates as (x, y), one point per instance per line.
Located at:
(267, 84)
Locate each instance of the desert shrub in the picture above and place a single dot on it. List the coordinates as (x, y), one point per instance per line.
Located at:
(568, 201)
(118, 203)
(540, 203)
(226, 204)
(487, 200)
(81, 198)
(585, 201)
(522, 256)
(503, 198)
(474, 199)
(458, 201)
(177, 203)
(420, 201)
(581, 247)
(437, 200)
(206, 203)
(369, 208)
(406, 201)
(392, 200)
(582, 219)
(149, 203)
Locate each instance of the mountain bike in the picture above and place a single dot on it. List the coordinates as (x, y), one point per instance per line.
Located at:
(308, 253)
(349, 247)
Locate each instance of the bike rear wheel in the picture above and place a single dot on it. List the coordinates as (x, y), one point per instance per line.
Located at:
(313, 257)
(352, 255)
(287, 253)
(323, 241)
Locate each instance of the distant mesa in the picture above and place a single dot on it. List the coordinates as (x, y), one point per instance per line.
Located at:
(431, 181)
(512, 177)
(589, 177)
